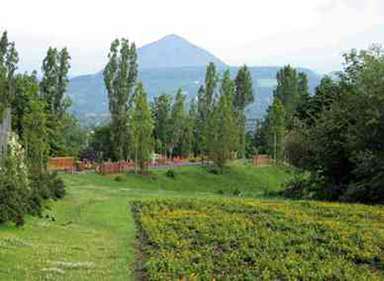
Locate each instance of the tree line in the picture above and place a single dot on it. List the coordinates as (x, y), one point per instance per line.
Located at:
(41, 127)
(335, 136)
(211, 125)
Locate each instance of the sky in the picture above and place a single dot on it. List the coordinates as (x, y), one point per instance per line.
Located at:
(304, 33)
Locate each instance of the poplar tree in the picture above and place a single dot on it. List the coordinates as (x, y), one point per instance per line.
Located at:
(206, 100)
(292, 90)
(276, 130)
(120, 76)
(141, 128)
(53, 86)
(54, 83)
(49, 82)
(178, 119)
(8, 65)
(223, 131)
(242, 98)
(161, 114)
(192, 126)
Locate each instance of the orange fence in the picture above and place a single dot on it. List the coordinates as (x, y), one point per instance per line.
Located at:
(125, 166)
(262, 160)
(70, 165)
(115, 167)
(61, 164)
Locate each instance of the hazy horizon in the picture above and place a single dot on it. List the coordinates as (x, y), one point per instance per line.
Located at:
(259, 33)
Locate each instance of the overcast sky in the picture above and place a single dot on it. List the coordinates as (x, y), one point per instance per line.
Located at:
(310, 33)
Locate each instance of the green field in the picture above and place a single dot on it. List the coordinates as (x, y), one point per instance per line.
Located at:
(196, 226)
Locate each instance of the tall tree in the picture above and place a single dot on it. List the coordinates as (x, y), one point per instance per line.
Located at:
(26, 91)
(223, 132)
(193, 127)
(35, 137)
(8, 65)
(120, 76)
(206, 100)
(178, 119)
(244, 89)
(242, 98)
(162, 117)
(141, 128)
(276, 130)
(53, 85)
(61, 103)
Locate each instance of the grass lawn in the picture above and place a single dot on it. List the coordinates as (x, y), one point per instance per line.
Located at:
(198, 226)
(93, 235)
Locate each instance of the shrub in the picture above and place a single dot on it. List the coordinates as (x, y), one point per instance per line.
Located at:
(236, 192)
(214, 170)
(119, 178)
(171, 173)
(14, 183)
(56, 186)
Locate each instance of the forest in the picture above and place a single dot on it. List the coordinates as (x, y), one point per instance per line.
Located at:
(209, 221)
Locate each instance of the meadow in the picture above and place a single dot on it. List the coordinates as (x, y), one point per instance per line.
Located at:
(195, 225)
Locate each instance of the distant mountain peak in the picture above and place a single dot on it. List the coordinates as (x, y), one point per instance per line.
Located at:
(173, 37)
(174, 51)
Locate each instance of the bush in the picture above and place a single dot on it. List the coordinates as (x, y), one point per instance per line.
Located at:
(367, 185)
(236, 192)
(56, 186)
(214, 170)
(14, 183)
(171, 173)
(119, 178)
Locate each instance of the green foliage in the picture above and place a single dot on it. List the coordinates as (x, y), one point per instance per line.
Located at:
(54, 82)
(37, 115)
(14, 183)
(222, 130)
(243, 97)
(141, 128)
(206, 100)
(244, 89)
(35, 137)
(276, 130)
(53, 86)
(100, 145)
(339, 135)
(8, 62)
(120, 76)
(119, 178)
(250, 240)
(161, 110)
(291, 90)
(171, 173)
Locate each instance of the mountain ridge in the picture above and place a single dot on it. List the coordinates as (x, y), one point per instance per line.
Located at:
(174, 51)
(90, 97)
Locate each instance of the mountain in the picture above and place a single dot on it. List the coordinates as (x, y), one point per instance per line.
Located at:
(174, 51)
(162, 73)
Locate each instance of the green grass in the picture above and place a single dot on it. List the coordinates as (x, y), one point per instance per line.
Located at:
(198, 225)
(93, 236)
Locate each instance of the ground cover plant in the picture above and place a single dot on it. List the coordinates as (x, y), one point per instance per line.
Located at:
(233, 239)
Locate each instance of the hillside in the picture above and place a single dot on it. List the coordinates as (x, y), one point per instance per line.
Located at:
(166, 65)
(90, 98)
(194, 225)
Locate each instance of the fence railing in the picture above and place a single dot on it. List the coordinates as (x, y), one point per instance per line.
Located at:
(262, 160)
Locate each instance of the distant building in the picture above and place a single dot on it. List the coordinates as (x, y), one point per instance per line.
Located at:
(5, 129)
